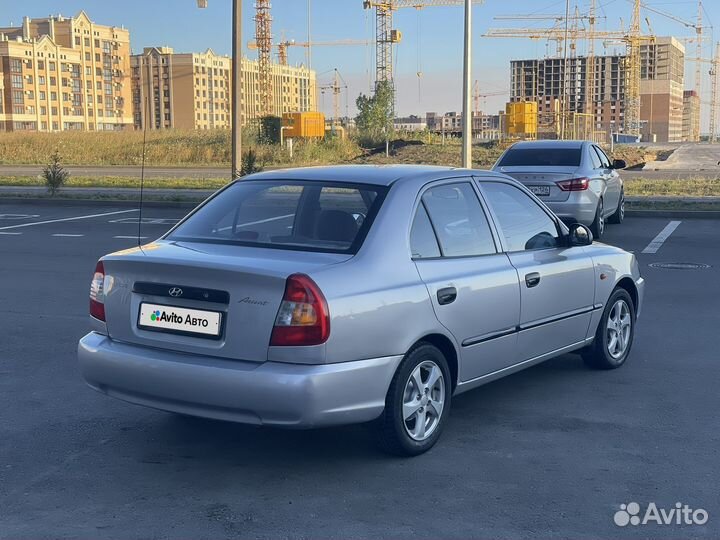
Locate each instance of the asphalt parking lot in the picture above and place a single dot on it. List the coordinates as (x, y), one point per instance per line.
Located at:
(550, 452)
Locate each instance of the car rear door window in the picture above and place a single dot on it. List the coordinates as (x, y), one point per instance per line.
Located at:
(603, 157)
(595, 158)
(522, 222)
(458, 220)
(423, 242)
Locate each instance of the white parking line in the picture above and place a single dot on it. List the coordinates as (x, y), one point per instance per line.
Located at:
(131, 237)
(61, 235)
(10, 233)
(658, 241)
(66, 219)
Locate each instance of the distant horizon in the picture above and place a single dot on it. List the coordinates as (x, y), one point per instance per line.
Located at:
(428, 62)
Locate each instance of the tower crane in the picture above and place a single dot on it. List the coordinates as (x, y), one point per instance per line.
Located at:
(633, 40)
(283, 46)
(386, 36)
(263, 38)
(336, 89)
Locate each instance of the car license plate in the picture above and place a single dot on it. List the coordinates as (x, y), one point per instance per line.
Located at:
(541, 191)
(179, 320)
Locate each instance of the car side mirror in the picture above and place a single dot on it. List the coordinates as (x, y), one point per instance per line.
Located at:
(619, 164)
(580, 235)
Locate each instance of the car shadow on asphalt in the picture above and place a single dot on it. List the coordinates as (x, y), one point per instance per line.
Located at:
(176, 438)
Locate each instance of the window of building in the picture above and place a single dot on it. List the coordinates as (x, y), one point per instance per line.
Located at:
(99, 100)
(52, 66)
(100, 112)
(53, 111)
(88, 57)
(55, 126)
(43, 125)
(30, 109)
(43, 110)
(18, 96)
(66, 111)
(77, 40)
(53, 81)
(108, 89)
(42, 95)
(31, 94)
(87, 41)
(53, 96)
(41, 79)
(41, 64)
(97, 57)
(16, 81)
(15, 65)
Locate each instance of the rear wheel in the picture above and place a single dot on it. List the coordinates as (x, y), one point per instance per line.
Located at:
(619, 214)
(614, 336)
(417, 403)
(598, 225)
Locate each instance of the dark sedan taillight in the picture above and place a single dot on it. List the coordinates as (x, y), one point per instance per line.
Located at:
(97, 293)
(574, 184)
(303, 317)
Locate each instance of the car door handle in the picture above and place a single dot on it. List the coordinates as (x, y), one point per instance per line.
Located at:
(532, 279)
(447, 295)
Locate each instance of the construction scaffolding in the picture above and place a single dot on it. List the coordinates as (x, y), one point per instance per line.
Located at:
(263, 39)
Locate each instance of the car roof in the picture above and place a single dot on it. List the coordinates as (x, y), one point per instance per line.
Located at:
(550, 143)
(384, 175)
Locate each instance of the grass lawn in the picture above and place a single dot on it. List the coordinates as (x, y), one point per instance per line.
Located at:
(120, 182)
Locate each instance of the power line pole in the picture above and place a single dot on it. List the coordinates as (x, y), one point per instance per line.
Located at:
(467, 89)
(236, 98)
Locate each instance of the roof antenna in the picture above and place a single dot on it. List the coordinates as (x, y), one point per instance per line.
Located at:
(142, 174)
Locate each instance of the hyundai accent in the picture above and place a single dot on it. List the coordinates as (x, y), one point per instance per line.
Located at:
(337, 295)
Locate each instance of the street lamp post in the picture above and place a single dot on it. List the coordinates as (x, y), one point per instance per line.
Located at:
(236, 98)
(467, 111)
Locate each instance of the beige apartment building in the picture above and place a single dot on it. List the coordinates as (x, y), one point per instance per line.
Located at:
(64, 73)
(661, 89)
(193, 90)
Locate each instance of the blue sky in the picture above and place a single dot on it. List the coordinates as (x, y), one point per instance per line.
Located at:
(432, 38)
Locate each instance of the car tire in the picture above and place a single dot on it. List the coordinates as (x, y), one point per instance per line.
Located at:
(615, 333)
(597, 227)
(619, 215)
(421, 383)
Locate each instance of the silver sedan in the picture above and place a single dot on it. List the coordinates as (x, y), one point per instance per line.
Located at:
(575, 179)
(323, 296)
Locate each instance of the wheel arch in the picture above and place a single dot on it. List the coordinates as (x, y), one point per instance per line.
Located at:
(447, 348)
(628, 284)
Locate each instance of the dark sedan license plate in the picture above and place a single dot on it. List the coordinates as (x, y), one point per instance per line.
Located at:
(177, 320)
(540, 191)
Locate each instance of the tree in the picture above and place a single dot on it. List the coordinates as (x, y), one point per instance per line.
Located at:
(54, 174)
(375, 114)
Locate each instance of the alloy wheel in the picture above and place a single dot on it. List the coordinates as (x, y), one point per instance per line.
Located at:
(619, 327)
(423, 400)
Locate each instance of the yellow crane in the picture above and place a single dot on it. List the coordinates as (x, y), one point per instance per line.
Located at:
(283, 46)
(263, 38)
(386, 36)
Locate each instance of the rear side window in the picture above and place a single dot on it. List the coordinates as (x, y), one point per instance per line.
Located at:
(523, 223)
(423, 242)
(542, 157)
(458, 220)
(310, 216)
(603, 157)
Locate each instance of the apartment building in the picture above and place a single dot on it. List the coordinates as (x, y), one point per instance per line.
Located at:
(64, 73)
(691, 116)
(662, 65)
(193, 90)
(484, 126)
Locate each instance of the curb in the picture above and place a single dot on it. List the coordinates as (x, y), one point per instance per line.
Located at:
(124, 203)
(686, 214)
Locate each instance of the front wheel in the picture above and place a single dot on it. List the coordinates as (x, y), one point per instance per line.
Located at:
(417, 403)
(615, 333)
(597, 227)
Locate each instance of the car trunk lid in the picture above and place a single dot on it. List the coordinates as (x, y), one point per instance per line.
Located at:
(244, 285)
(542, 180)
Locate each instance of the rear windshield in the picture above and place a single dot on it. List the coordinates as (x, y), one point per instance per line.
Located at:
(308, 216)
(543, 157)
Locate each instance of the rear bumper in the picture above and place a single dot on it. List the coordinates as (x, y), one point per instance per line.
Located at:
(580, 207)
(271, 393)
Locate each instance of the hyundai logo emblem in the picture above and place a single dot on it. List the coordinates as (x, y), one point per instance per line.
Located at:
(175, 292)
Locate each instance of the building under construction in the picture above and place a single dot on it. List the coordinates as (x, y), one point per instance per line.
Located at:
(564, 98)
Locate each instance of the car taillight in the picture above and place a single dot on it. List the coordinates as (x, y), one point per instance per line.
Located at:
(97, 292)
(303, 317)
(574, 184)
